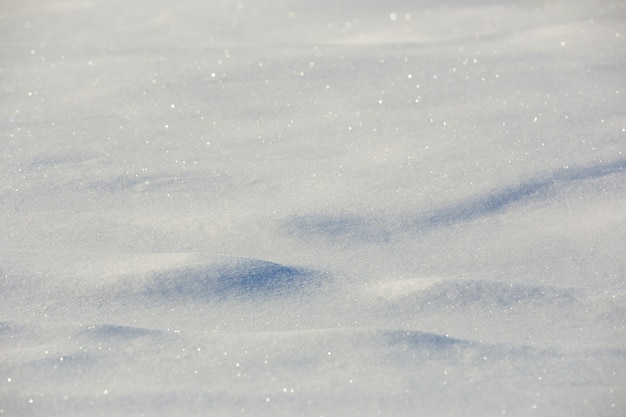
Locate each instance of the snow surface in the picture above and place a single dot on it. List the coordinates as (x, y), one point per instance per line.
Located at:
(307, 208)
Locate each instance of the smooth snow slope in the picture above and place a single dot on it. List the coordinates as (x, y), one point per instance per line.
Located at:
(306, 208)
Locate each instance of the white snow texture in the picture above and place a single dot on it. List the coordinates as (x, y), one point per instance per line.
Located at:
(312, 208)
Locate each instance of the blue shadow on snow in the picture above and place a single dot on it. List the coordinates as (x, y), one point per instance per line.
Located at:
(352, 227)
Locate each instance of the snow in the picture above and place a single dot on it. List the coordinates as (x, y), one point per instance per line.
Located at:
(307, 208)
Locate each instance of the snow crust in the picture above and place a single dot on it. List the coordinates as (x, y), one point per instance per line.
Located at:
(309, 208)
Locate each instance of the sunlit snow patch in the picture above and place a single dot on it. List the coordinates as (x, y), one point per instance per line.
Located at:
(403, 287)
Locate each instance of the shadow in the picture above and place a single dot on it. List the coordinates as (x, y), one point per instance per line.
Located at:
(423, 341)
(352, 227)
(242, 278)
(487, 294)
(7, 328)
(109, 331)
(431, 346)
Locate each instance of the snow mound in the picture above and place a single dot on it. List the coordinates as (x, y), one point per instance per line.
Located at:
(445, 292)
(231, 279)
(376, 228)
(495, 294)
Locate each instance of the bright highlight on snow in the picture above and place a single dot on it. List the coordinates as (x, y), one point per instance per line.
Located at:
(295, 208)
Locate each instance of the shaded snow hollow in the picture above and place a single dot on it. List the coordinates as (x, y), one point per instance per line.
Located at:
(296, 208)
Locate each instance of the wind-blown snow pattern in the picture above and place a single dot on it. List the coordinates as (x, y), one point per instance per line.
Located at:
(298, 208)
